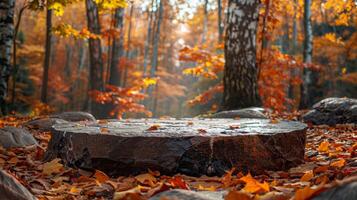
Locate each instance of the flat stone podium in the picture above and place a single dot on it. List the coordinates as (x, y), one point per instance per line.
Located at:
(189, 146)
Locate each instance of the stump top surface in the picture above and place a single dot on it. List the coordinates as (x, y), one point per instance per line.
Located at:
(181, 127)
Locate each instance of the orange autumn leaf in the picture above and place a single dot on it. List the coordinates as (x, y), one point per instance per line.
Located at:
(227, 178)
(146, 179)
(307, 176)
(154, 127)
(340, 163)
(323, 147)
(13, 160)
(100, 176)
(307, 192)
(178, 182)
(235, 195)
(254, 186)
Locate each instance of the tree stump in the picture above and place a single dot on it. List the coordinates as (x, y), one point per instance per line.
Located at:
(189, 146)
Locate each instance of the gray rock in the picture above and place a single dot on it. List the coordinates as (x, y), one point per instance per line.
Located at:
(16, 137)
(343, 192)
(43, 124)
(189, 146)
(11, 189)
(179, 194)
(252, 112)
(74, 116)
(333, 111)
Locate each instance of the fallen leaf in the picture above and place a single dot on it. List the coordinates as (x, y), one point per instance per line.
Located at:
(323, 147)
(146, 179)
(13, 160)
(237, 195)
(232, 127)
(178, 182)
(307, 176)
(100, 176)
(254, 186)
(52, 167)
(307, 192)
(202, 131)
(154, 127)
(339, 164)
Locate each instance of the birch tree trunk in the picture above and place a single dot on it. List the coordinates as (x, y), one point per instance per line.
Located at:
(240, 73)
(96, 81)
(46, 64)
(117, 48)
(307, 56)
(6, 38)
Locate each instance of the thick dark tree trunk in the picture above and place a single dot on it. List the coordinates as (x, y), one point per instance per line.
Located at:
(240, 73)
(96, 81)
(117, 48)
(6, 37)
(308, 74)
(46, 64)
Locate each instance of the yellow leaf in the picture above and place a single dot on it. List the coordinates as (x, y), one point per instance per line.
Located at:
(100, 176)
(52, 167)
(57, 8)
(307, 176)
(149, 81)
(74, 190)
(323, 147)
(340, 163)
(203, 188)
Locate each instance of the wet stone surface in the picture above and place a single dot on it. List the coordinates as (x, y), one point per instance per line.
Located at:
(189, 146)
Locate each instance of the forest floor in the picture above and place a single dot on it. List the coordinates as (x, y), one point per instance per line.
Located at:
(331, 155)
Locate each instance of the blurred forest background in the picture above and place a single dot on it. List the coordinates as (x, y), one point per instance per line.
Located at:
(166, 57)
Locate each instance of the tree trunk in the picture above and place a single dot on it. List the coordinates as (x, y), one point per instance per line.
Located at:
(95, 55)
(155, 53)
(128, 44)
(148, 39)
(240, 73)
(220, 25)
(46, 64)
(14, 55)
(117, 48)
(6, 37)
(205, 22)
(307, 56)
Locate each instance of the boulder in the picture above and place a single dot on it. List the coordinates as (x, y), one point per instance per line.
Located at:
(346, 191)
(332, 111)
(43, 124)
(189, 146)
(46, 123)
(252, 112)
(74, 116)
(16, 137)
(179, 194)
(11, 189)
